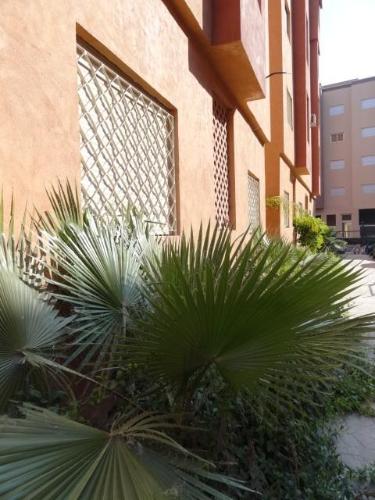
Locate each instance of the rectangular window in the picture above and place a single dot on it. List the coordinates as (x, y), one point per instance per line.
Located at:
(338, 137)
(286, 209)
(368, 161)
(253, 201)
(368, 188)
(368, 103)
(346, 217)
(289, 108)
(339, 191)
(336, 110)
(331, 220)
(307, 41)
(368, 132)
(127, 146)
(337, 164)
(318, 216)
(221, 162)
(288, 21)
(308, 118)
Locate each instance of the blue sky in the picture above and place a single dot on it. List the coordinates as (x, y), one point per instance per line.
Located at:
(347, 40)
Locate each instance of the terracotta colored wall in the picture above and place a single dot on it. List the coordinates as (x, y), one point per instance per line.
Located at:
(350, 150)
(39, 139)
(282, 169)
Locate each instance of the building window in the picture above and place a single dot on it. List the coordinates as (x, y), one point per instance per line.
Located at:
(336, 110)
(289, 108)
(286, 209)
(339, 191)
(221, 167)
(306, 202)
(253, 201)
(346, 217)
(338, 137)
(368, 188)
(368, 132)
(368, 161)
(331, 220)
(337, 164)
(288, 21)
(318, 216)
(127, 146)
(307, 41)
(368, 103)
(308, 118)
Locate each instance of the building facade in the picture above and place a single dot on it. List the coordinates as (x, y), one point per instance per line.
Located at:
(348, 156)
(189, 110)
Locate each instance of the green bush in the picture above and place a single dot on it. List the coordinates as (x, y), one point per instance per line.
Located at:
(311, 231)
(139, 363)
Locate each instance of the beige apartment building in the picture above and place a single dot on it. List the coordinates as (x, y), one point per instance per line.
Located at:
(189, 110)
(348, 156)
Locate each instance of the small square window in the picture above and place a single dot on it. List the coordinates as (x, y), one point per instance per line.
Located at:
(368, 188)
(253, 201)
(346, 217)
(338, 191)
(368, 103)
(368, 132)
(368, 161)
(337, 164)
(289, 109)
(337, 137)
(286, 209)
(336, 110)
(331, 220)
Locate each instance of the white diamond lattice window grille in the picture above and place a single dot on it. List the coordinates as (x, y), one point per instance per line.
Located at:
(253, 201)
(127, 147)
(221, 177)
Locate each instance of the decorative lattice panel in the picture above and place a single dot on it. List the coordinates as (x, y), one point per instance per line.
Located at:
(220, 136)
(127, 146)
(254, 201)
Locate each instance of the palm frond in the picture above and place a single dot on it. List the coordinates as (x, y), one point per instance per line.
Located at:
(45, 455)
(98, 273)
(252, 310)
(65, 209)
(18, 251)
(30, 331)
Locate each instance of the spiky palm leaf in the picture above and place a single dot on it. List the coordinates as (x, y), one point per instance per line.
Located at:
(66, 209)
(18, 253)
(253, 311)
(44, 455)
(98, 273)
(30, 330)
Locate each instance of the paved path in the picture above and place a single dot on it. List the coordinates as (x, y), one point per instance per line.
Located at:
(356, 443)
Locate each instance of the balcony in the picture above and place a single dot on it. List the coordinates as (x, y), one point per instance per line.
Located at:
(231, 34)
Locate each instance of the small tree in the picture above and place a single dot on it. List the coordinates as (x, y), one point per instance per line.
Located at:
(311, 231)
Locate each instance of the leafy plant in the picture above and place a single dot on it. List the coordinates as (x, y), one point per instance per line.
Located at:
(211, 307)
(212, 343)
(45, 455)
(311, 231)
(30, 331)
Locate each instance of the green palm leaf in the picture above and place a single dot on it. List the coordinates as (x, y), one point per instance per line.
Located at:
(252, 310)
(30, 331)
(48, 456)
(98, 273)
(18, 253)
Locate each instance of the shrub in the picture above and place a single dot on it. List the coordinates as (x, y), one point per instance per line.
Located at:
(311, 231)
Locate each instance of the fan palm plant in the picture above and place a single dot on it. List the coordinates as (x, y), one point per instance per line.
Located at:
(249, 315)
(252, 311)
(30, 333)
(46, 456)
